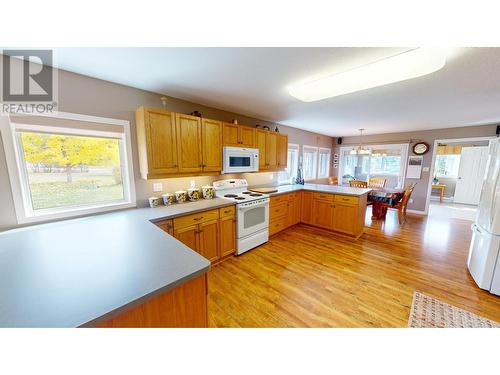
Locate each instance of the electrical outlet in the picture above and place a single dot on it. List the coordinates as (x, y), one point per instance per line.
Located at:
(157, 187)
(425, 169)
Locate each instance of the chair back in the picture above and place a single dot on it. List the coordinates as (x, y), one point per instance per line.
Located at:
(376, 182)
(333, 180)
(407, 194)
(358, 184)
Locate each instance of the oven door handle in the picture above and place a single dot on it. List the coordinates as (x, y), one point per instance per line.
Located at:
(243, 209)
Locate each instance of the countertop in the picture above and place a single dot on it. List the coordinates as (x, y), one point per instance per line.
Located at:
(81, 272)
(333, 189)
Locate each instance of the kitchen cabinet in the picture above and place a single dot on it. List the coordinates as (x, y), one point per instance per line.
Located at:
(157, 141)
(294, 208)
(189, 143)
(282, 153)
(323, 213)
(211, 233)
(238, 135)
(306, 207)
(272, 150)
(211, 145)
(261, 144)
(208, 237)
(227, 230)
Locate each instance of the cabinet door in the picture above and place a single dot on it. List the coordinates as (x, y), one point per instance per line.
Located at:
(261, 144)
(230, 136)
(227, 231)
(189, 143)
(209, 240)
(307, 213)
(294, 204)
(188, 236)
(211, 145)
(247, 136)
(282, 151)
(272, 150)
(161, 142)
(323, 213)
(346, 218)
(166, 226)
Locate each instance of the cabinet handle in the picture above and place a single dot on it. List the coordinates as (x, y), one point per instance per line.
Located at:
(198, 218)
(227, 211)
(176, 165)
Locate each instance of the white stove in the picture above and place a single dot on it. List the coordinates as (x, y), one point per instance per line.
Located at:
(252, 213)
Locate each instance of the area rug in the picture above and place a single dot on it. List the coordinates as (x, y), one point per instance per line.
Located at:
(428, 312)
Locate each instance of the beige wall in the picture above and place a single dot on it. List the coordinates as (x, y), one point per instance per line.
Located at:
(89, 96)
(420, 193)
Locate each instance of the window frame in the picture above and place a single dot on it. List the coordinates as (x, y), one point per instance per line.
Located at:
(329, 153)
(436, 174)
(11, 134)
(315, 167)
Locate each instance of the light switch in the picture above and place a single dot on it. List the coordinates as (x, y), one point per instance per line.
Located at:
(157, 186)
(425, 169)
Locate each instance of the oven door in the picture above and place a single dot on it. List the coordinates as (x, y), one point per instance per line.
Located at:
(240, 160)
(253, 219)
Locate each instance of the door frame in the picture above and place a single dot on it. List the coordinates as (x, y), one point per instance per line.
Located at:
(433, 162)
(404, 158)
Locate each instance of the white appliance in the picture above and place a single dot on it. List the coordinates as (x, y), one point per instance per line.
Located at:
(484, 262)
(252, 213)
(240, 160)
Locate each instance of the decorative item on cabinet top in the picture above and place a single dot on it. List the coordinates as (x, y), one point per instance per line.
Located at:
(178, 145)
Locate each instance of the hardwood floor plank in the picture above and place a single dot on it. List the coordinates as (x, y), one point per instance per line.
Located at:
(308, 277)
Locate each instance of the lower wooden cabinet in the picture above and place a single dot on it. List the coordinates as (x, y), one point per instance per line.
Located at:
(211, 233)
(323, 213)
(294, 208)
(227, 230)
(306, 207)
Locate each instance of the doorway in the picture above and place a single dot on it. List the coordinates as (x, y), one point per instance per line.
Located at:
(457, 175)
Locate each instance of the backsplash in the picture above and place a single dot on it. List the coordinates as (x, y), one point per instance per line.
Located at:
(144, 188)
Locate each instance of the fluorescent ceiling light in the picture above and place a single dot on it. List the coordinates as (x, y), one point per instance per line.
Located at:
(411, 64)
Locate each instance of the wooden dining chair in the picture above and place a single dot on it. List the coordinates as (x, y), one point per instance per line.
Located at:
(358, 184)
(334, 180)
(376, 182)
(403, 203)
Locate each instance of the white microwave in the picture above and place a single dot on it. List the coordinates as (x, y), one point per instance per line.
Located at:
(240, 160)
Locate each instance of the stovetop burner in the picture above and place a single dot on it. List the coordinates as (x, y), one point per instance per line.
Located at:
(255, 195)
(239, 198)
(247, 192)
(230, 196)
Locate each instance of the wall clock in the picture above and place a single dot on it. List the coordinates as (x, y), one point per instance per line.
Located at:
(420, 148)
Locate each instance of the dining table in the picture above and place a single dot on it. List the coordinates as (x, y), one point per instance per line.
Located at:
(383, 198)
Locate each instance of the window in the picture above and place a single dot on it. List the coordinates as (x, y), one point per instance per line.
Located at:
(447, 165)
(324, 163)
(310, 162)
(290, 173)
(69, 169)
(385, 162)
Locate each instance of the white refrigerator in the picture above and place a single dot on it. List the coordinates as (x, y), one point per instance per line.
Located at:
(484, 252)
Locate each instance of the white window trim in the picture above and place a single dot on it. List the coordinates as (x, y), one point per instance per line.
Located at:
(294, 146)
(13, 156)
(315, 162)
(329, 152)
(404, 160)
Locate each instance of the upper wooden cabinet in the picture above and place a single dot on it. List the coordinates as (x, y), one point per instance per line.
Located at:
(272, 150)
(238, 135)
(189, 143)
(261, 144)
(282, 150)
(211, 145)
(157, 141)
(173, 144)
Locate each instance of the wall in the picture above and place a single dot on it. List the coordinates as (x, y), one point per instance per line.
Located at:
(90, 96)
(420, 193)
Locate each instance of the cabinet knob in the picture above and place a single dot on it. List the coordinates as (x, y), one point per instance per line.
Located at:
(198, 218)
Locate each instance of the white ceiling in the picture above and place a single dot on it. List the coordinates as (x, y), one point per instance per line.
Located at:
(253, 81)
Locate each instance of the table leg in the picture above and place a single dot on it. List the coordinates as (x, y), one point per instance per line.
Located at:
(441, 196)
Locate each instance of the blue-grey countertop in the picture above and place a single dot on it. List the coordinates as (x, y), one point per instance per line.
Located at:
(332, 189)
(84, 271)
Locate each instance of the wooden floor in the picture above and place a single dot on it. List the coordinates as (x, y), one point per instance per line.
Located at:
(306, 277)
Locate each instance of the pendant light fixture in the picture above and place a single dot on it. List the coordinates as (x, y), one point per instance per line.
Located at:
(360, 150)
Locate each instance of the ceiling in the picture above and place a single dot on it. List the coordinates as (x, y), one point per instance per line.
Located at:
(253, 82)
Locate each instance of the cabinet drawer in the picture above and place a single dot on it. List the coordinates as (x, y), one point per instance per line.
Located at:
(278, 199)
(347, 199)
(227, 211)
(276, 226)
(200, 217)
(324, 196)
(293, 196)
(278, 210)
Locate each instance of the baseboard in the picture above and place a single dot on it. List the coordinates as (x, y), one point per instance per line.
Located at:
(416, 212)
